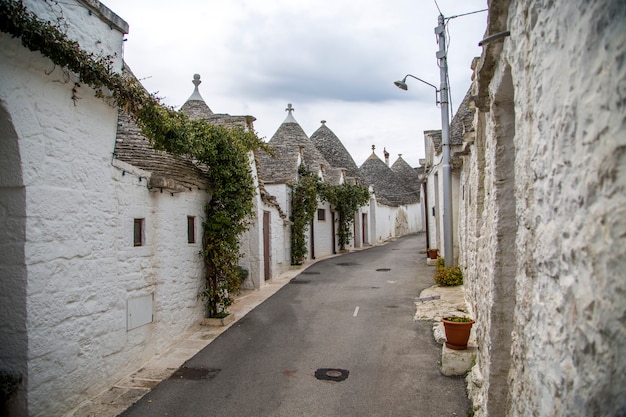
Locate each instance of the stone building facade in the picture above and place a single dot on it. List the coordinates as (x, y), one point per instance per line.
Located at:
(394, 209)
(542, 219)
(279, 172)
(61, 238)
(461, 128)
(100, 233)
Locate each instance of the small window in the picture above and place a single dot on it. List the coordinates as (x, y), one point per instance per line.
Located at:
(191, 229)
(138, 232)
(321, 214)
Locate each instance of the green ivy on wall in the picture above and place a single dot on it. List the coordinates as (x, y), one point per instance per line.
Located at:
(345, 199)
(303, 208)
(224, 151)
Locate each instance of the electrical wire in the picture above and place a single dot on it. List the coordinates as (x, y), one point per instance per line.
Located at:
(438, 7)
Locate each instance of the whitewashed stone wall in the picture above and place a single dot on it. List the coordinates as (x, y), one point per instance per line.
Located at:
(432, 194)
(281, 236)
(544, 249)
(323, 233)
(384, 223)
(279, 239)
(69, 215)
(435, 221)
(59, 161)
(251, 241)
(364, 228)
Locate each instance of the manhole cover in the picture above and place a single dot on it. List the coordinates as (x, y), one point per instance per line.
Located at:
(195, 374)
(347, 264)
(310, 273)
(383, 269)
(331, 374)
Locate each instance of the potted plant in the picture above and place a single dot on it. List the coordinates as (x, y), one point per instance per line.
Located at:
(457, 331)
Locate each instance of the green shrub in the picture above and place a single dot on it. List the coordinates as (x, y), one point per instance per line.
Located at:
(458, 319)
(448, 276)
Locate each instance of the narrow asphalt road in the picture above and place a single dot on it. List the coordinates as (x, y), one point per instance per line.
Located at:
(338, 340)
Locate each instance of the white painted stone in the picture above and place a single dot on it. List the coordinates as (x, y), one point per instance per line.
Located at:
(457, 362)
(69, 216)
(544, 213)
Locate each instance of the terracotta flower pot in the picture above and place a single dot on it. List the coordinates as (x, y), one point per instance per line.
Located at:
(457, 333)
(432, 253)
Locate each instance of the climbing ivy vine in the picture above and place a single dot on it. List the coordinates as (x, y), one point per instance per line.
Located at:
(303, 208)
(224, 151)
(345, 199)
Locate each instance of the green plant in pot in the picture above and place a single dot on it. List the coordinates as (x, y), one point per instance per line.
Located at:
(457, 331)
(447, 276)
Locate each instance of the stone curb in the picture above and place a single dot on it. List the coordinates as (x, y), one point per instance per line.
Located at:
(436, 302)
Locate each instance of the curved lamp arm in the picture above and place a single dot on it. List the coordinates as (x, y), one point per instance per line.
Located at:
(402, 84)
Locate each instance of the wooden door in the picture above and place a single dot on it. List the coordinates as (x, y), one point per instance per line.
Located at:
(266, 247)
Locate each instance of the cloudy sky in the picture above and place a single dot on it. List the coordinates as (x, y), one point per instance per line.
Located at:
(334, 60)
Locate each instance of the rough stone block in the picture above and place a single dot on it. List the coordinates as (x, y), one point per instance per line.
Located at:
(457, 362)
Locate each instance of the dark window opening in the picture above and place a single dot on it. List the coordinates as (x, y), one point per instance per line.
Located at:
(138, 232)
(191, 229)
(321, 214)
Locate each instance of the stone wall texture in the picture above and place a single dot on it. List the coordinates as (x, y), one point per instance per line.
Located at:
(543, 221)
(68, 264)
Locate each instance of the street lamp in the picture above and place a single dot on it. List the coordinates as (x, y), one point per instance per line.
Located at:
(402, 84)
(445, 139)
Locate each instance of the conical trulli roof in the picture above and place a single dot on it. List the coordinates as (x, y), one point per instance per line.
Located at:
(132, 147)
(388, 187)
(290, 143)
(334, 152)
(409, 177)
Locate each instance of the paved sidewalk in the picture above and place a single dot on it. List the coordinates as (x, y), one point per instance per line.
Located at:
(130, 389)
(436, 302)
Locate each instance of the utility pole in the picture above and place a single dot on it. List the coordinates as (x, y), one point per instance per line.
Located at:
(448, 245)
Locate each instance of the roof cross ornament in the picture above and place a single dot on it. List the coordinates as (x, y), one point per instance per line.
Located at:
(196, 93)
(196, 80)
(373, 147)
(289, 118)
